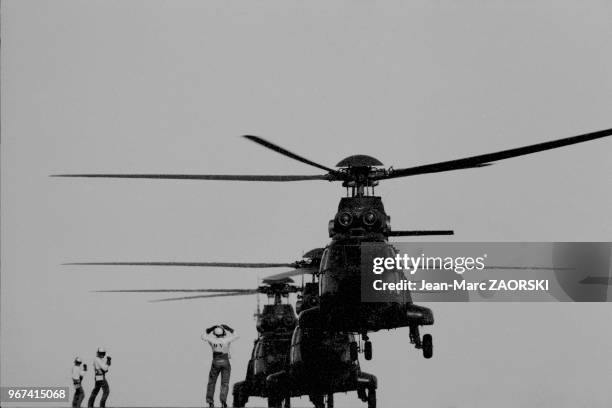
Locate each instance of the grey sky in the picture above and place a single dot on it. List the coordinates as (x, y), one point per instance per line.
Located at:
(160, 86)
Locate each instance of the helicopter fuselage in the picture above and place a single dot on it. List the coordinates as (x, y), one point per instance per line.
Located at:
(321, 363)
(359, 232)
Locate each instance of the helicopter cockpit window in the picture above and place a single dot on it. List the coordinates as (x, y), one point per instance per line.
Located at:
(347, 257)
(339, 263)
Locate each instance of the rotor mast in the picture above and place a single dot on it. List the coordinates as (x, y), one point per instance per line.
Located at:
(358, 172)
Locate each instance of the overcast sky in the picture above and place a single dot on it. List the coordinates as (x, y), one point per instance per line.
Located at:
(160, 86)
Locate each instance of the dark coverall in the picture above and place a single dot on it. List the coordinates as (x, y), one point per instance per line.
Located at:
(79, 395)
(100, 369)
(77, 378)
(220, 363)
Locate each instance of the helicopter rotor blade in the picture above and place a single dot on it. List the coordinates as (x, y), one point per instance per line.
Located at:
(252, 292)
(246, 291)
(225, 177)
(597, 280)
(288, 274)
(487, 159)
(196, 264)
(529, 268)
(418, 233)
(287, 153)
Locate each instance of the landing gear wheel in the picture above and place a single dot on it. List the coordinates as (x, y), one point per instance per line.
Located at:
(239, 402)
(330, 400)
(240, 395)
(354, 351)
(317, 400)
(274, 402)
(367, 350)
(372, 398)
(427, 346)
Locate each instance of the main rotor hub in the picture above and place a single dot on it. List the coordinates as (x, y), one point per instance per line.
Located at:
(360, 171)
(359, 160)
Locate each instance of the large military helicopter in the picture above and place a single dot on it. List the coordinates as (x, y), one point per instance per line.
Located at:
(286, 361)
(322, 363)
(275, 326)
(361, 219)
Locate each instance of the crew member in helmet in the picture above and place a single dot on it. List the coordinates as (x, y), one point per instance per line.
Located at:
(78, 371)
(219, 337)
(101, 365)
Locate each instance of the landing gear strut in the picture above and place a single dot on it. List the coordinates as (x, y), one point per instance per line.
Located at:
(426, 344)
(354, 350)
(279, 402)
(367, 347)
(372, 398)
(317, 400)
(330, 400)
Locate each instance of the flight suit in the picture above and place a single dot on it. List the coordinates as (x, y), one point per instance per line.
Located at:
(100, 369)
(78, 372)
(220, 363)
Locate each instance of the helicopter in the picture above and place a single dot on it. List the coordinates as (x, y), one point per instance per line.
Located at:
(322, 363)
(270, 349)
(361, 219)
(275, 325)
(307, 293)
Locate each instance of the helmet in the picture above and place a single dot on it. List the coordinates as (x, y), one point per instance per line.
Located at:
(101, 351)
(78, 360)
(219, 331)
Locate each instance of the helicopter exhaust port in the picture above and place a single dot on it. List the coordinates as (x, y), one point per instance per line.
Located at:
(419, 315)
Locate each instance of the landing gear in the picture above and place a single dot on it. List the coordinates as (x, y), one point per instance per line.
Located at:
(240, 395)
(330, 400)
(367, 347)
(354, 350)
(371, 398)
(366, 389)
(317, 400)
(426, 344)
(279, 402)
(367, 350)
(323, 401)
(238, 401)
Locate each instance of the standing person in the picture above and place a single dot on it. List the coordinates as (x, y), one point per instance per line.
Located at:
(101, 364)
(219, 340)
(78, 372)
